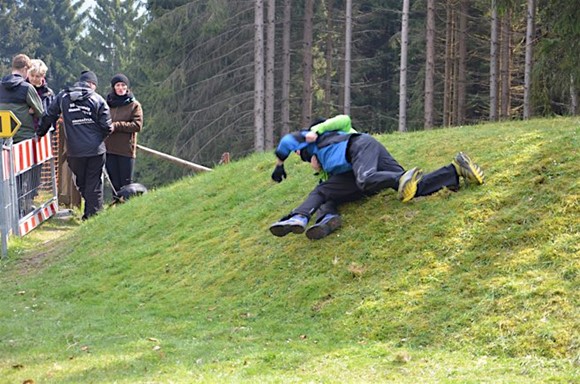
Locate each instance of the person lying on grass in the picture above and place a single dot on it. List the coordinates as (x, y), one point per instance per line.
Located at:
(353, 166)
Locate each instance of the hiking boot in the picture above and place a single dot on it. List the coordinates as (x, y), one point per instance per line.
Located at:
(324, 227)
(466, 168)
(408, 184)
(295, 224)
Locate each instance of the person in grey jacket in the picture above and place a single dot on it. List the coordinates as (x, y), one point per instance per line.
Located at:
(87, 122)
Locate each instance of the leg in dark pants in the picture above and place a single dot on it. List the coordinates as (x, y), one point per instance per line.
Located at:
(88, 179)
(325, 199)
(120, 169)
(374, 167)
(336, 190)
(444, 177)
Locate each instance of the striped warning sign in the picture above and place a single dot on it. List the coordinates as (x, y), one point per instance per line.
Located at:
(31, 152)
(34, 219)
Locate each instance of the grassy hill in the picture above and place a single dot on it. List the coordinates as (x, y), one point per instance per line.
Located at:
(187, 285)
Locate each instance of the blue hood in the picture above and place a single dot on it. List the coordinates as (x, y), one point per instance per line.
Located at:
(290, 143)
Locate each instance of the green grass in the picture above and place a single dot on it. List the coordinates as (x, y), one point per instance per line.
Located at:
(186, 284)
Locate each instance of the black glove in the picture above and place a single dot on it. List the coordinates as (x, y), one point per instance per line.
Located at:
(279, 173)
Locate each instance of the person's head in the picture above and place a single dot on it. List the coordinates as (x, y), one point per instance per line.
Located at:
(90, 78)
(120, 84)
(20, 64)
(308, 157)
(316, 121)
(37, 72)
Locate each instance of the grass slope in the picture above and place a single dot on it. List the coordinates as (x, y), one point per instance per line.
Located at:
(187, 285)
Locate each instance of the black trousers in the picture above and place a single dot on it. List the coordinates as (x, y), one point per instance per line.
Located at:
(120, 169)
(374, 169)
(88, 172)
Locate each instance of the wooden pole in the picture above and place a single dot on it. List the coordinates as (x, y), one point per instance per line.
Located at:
(173, 159)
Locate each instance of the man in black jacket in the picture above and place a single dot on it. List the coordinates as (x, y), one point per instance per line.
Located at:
(87, 122)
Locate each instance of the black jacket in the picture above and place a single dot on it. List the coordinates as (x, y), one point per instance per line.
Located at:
(18, 96)
(87, 120)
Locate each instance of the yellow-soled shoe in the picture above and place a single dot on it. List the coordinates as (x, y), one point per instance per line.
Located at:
(408, 184)
(465, 167)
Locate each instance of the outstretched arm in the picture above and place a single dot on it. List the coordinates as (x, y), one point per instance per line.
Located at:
(340, 123)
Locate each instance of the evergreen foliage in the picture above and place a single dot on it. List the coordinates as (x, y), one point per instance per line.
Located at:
(60, 45)
(17, 33)
(114, 27)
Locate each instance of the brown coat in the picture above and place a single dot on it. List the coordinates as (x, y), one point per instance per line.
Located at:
(127, 121)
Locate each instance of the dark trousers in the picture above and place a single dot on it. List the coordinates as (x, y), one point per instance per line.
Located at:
(88, 179)
(120, 170)
(374, 169)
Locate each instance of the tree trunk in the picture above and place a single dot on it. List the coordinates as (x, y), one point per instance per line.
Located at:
(430, 66)
(573, 97)
(447, 87)
(269, 99)
(403, 69)
(285, 113)
(307, 64)
(505, 58)
(529, 57)
(328, 58)
(259, 75)
(493, 61)
(462, 63)
(347, 56)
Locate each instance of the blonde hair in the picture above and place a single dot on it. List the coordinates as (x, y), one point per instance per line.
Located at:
(38, 67)
(21, 61)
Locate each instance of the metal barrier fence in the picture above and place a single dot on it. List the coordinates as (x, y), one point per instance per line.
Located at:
(26, 198)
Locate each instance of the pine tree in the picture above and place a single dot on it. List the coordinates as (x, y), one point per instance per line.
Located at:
(114, 27)
(60, 27)
(18, 34)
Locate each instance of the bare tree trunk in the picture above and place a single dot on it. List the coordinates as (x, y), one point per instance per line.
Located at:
(529, 57)
(329, 66)
(505, 58)
(269, 99)
(493, 63)
(259, 75)
(347, 57)
(403, 69)
(430, 66)
(573, 97)
(447, 87)
(307, 64)
(286, 68)
(462, 63)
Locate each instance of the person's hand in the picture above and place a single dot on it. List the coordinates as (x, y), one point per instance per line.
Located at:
(315, 164)
(279, 173)
(311, 137)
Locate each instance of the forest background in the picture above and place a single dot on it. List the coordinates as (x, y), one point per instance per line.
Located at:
(217, 76)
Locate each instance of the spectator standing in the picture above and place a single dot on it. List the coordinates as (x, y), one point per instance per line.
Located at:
(127, 117)
(87, 122)
(20, 97)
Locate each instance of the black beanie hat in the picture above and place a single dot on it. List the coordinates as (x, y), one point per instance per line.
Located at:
(89, 76)
(120, 78)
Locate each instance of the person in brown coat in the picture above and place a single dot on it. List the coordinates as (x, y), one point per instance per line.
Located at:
(127, 116)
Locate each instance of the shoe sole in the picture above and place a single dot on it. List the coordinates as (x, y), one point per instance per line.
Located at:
(413, 181)
(283, 230)
(317, 232)
(471, 172)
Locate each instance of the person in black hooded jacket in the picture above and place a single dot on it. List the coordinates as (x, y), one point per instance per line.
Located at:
(87, 122)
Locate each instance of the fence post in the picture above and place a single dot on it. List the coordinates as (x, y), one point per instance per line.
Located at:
(4, 217)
